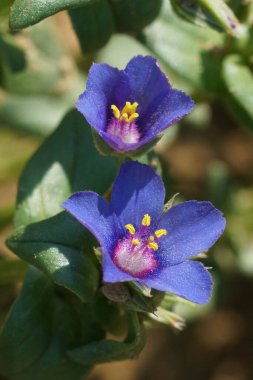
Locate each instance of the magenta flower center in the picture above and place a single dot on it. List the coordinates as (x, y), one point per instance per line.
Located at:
(136, 252)
(123, 123)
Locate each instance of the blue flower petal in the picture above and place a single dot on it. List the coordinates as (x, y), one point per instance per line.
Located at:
(147, 81)
(192, 227)
(137, 190)
(189, 280)
(164, 111)
(106, 85)
(93, 106)
(111, 273)
(94, 213)
(103, 78)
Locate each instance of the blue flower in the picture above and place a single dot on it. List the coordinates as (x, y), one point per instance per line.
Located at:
(132, 107)
(141, 242)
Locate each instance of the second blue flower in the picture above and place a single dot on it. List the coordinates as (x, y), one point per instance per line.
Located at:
(131, 108)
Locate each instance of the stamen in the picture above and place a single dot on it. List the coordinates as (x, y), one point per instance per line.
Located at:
(130, 228)
(151, 238)
(160, 233)
(130, 108)
(153, 245)
(124, 117)
(116, 111)
(132, 117)
(127, 114)
(136, 241)
(126, 108)
(146, 220)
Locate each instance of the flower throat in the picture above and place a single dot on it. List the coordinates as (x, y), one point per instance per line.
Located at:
(123, 123)
(135, 253)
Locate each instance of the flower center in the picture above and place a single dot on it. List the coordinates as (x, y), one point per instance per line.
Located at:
(123, 123)
(135, 253)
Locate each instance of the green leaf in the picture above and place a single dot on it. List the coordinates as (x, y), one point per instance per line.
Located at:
(239, 81)
(50, 240)
(66, 162)
(190, 52)
(108, 350)
(93, 25)
(40, 329)
(56, 247)
(32, 308)
(214, 13)
(134, 15)
(28, 12)
(11, 54)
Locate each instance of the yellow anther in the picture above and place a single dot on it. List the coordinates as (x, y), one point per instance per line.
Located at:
(116, 111)
(132, 117)
(127, 114)
(130, 108)
(130, 228)
(151, 238)
(136, 241)
(153, 245)
(146, 220)
(160, 233)
(127, 108)
(124, 117)
(134, 106)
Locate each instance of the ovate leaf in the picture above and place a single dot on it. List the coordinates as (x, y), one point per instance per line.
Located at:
(28, 12)
(32, 308)
(40, 328)
(57, 246)
(134, 15)
(93, 25)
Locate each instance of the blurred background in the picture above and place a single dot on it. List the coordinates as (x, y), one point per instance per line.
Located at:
(208, 156)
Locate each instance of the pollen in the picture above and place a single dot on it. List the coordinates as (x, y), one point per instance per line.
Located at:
(130, 228)
(153, 245)
(136, 241)
(160, 233)
(146, 220)
(127, 114)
